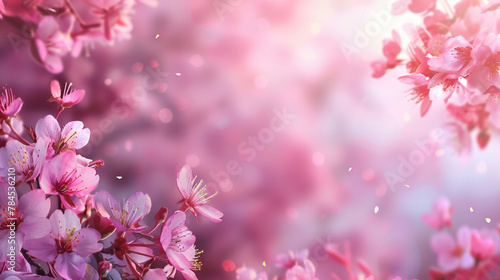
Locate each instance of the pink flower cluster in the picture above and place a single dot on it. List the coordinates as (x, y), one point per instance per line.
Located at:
(296, 264)
(452, 57)
(59, 27)
(470, 254)
(68, 242)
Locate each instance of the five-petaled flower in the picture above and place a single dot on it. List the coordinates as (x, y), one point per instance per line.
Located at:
(66, 246)
(195, 197)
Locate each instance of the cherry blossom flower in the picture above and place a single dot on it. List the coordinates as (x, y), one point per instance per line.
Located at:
(484, 244)
(455, 55)
(67, 245)
(391, 49)
(299, 272)
(195, 197)
(292, 258)
(66, 98)
(26, 160)
(125, 218)
(63, 176)
(27, 217)
(453, 254)
(9, 105)
(441, 216)
(175, 239)
(72, 136)
(51, 44)
(114, 14)
(245, 273)
(420, 92)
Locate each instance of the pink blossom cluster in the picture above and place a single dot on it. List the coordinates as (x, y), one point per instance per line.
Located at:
(65, 230)
(466, 254)
(453, 56)
(56, 28)
(298, 266)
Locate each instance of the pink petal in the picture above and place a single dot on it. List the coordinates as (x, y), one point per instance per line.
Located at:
(34, 227)
(177, 219)
(77, 135)
(48, 128)
(73, 98)
(178, 260)
(86, 182)
(155, 274)
(185, 181)
(88, 242)
(53, 63)
(467, 261)
(491, 7)
(431, 220)
(165, 237)
(55, 89)
(189, 275)
(414, 79)
(143, 250)
(442, 243)
(210, 213)
(34, 203)
(14, 107)
(42, 248)
(426, 105)
(107, 205)
(47, 27)
(448, 262)
(38, 157)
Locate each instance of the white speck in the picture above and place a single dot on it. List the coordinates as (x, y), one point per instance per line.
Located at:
(119, 177)
(350, 168)
(376, 209)
(178, 74)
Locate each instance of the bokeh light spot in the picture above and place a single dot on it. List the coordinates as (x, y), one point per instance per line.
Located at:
(137, 67)
(192, 160)
(196, 60)
(368, 174)
(228, 265)
(165, 115)
(318, 159)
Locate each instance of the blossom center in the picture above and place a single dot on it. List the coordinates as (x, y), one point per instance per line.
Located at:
(493, 62)
(66, 245)
(462, 53)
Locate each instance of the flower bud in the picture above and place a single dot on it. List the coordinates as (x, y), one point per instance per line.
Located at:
(104, 268)
(103, 225)
(161, 215)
